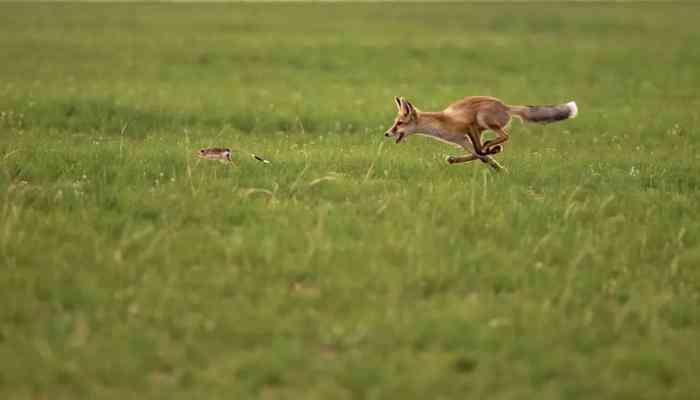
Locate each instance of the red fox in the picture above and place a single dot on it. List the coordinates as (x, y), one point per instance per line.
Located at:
(463, 122)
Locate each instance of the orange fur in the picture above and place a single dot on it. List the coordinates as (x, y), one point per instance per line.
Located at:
(462, 123)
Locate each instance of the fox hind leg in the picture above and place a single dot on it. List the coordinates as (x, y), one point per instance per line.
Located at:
(474, 136)
(496, 145)
(494, 149)
(495, 121)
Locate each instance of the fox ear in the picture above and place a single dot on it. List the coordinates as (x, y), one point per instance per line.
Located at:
(398, 102)
(408, 108)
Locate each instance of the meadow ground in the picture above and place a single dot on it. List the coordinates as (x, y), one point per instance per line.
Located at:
(350, 267)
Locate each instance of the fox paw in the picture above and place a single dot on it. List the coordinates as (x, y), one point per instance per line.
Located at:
(495, 149)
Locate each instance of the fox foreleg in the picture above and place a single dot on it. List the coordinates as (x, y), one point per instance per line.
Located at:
(485, 159)
(461, 159)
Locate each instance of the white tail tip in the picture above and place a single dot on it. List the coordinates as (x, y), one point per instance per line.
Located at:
(574, 109)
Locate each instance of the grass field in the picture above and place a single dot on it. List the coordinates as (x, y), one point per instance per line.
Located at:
(350, 267)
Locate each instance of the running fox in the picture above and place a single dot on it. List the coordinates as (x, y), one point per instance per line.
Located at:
(463, 122)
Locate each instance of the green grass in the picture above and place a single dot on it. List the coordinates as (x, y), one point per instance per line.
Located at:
(350, 267)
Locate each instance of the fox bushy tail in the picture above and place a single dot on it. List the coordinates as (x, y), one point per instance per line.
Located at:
(545, 114)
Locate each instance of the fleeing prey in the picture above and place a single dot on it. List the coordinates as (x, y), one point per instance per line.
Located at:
(463, 122)
(224, 155)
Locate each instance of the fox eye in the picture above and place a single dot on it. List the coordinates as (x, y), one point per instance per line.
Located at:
(399, 122)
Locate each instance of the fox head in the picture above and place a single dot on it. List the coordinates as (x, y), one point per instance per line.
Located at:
(406, 121)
